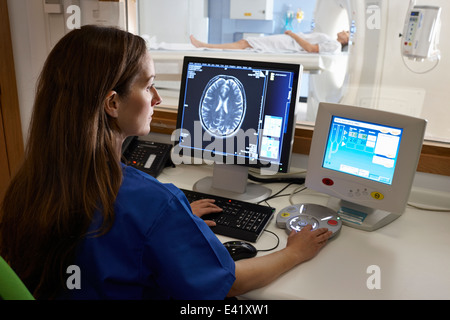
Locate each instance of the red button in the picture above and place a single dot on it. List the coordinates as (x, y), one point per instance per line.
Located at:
(332, 222)
(327, 181)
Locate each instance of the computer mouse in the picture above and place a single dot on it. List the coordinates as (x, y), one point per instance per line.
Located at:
(240, 250)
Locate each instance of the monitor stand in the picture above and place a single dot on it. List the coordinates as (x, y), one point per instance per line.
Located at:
(361, 217)
(230, 181)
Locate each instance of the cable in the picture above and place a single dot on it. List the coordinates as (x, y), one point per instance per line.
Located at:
(276, 246)
(427, 209)
(420, 72)
(291, 173)
(289, 181)
(275, 195)
(296, 190)
(410, 69)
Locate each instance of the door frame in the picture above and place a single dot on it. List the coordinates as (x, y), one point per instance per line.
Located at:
(11, 137)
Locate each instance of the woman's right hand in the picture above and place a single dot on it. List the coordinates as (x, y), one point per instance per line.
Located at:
(305, 244)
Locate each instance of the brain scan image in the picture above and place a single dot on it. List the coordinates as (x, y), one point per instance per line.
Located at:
(223, 106)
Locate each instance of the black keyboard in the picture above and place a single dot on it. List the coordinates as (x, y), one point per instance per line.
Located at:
(239, 219)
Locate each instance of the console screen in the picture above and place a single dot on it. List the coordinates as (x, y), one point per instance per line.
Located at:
(362, 149)
(238, 109)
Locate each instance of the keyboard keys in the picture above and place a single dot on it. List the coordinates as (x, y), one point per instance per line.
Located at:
(239, 219)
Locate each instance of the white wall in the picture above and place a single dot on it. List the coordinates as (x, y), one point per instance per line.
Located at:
(30, 51)
(34, 32)
(173, 19)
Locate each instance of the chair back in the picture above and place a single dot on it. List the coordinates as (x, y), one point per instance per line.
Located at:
(11, 287)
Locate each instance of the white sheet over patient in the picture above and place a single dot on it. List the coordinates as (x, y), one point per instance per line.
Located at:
(284, 43)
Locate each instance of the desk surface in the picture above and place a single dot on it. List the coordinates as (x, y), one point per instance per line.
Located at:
(412, 253)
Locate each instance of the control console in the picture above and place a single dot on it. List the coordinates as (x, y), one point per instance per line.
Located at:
(295, 217)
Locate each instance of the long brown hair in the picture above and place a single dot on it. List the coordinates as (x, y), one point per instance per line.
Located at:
(71, 166)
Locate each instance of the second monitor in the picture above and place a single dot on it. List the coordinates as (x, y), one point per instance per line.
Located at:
(236, 114)
(366, 160)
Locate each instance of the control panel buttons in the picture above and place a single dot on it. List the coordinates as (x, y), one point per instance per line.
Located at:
(377, 195)
(351, 191)
(327, 181)
(332, 222)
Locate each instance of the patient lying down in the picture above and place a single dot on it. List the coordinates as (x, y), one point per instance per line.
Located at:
(314, 42)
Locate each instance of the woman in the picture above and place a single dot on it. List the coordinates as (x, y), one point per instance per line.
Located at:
(73, 202)
(314, 42)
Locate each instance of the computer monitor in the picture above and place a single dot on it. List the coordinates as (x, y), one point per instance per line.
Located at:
(366, 160)
(236, 114)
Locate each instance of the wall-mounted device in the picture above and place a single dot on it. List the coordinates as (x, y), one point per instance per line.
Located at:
(251, 9)
(366, 160)
(421, 32)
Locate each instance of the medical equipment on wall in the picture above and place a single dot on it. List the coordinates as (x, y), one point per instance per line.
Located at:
(254, 10)
(421, 33)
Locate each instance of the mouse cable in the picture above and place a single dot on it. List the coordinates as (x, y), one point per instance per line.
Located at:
(276, 246)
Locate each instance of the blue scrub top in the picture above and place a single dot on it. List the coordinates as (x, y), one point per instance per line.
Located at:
(156, 249)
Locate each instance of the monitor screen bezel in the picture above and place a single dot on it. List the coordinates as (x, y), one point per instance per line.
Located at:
(338, 184)
(285, 159)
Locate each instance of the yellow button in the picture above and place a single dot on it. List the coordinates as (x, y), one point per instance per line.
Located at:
(376, 195)
(285, 214)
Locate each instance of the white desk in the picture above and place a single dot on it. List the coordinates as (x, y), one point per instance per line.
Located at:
(413, 254)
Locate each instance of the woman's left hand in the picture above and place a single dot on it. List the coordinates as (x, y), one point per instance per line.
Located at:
(205, 206)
